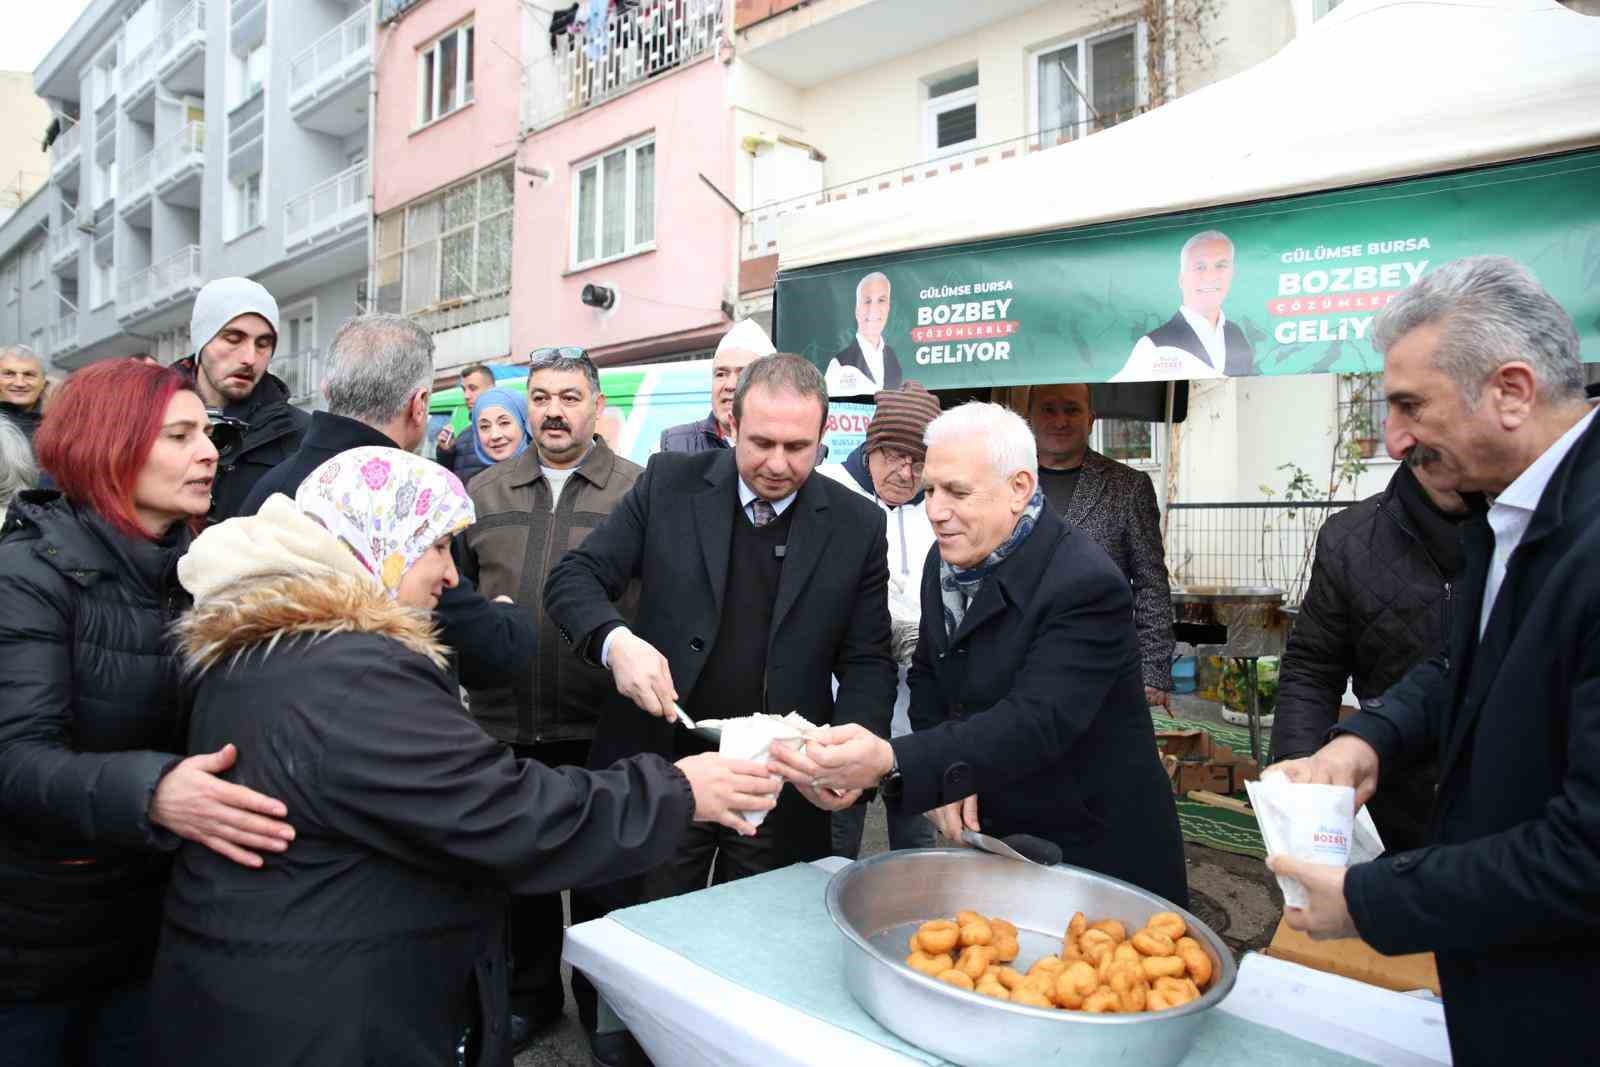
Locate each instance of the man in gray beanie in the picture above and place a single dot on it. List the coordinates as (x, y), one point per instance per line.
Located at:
(234, 326)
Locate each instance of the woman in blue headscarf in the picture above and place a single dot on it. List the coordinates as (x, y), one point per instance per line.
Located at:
(499, 431)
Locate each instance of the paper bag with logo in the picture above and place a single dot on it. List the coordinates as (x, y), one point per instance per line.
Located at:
(1315, 823)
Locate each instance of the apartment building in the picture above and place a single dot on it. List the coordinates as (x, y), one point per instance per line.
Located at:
(204, 138)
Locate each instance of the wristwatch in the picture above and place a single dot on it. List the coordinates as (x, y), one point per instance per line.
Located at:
(891, 784)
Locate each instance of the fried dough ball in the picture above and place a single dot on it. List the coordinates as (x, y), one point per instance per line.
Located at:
(1003, 928)
(1077, 926)
(1130, 986)
(965, 917)
(1150, 943)
(1030, 996)
(1195, 959)
(1004, 947)
(1169, 923)
(1176, 991)
(1095, 944)
(1043, 985)
(1102, 1001)
(976, 932)
(932, 966)
(990, 987)
(974, 961)
(1117, 931)
(1069, 949)
(1125, 953)
(1074, 984)
(1162, 967)
(1157, 1002)
(959, 979)
(1047, 965)
(938, 936)
(1010, 977)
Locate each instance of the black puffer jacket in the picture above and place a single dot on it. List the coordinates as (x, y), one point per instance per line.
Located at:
(273, 431)
(1378, 604)
(89, 722)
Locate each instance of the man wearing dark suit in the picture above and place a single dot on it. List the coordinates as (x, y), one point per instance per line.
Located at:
(1198, 341)
(867, 363)
(1116, 506)
(759, 582)
(1485, 389)
(1027, 703)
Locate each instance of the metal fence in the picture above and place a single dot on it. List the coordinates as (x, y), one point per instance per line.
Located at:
(1246, 543)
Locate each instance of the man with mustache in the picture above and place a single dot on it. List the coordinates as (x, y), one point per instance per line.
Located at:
(1199, 341)
(739, 347)
(1380, 601)
(867, 363)
(235, 326)
(532, 509)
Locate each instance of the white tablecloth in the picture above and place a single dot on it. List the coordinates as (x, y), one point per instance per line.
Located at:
(685, 1016)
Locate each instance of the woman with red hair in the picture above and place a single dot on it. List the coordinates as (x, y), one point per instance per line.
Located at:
(94, 796)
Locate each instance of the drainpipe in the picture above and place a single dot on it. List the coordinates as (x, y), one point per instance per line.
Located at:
(372, 162)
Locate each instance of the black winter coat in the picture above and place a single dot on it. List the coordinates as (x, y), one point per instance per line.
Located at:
(492, 643)
(379, 935)
(1038, 707)
(273, 429)
(1507, 891)
(89, 723)
(1377, 605)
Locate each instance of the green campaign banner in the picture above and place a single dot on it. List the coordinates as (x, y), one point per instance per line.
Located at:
(1286, 286)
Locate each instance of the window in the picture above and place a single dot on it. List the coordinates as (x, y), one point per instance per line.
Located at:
(455, 246)
(444, 74)
(1086, 85)
(247, 203)
(297, 351)
(1128, 441)
(1362, 411)
(35, 264)
(8, 281)
(614, 204)
(950, 123)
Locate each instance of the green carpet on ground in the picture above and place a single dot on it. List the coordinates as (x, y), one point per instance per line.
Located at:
(1202, 824)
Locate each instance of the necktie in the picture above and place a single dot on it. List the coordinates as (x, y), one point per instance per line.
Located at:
(761, 512)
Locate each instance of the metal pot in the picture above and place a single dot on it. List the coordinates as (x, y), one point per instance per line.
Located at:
(879, 902)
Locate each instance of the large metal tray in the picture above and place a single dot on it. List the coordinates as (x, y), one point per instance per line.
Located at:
(877, 903)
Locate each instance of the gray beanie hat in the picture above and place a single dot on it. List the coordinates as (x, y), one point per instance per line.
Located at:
(222, 301)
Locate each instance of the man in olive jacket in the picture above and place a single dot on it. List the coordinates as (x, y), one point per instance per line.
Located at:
(1485, 386)
(531, 511)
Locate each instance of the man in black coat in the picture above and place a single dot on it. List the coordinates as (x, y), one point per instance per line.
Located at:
(235, 328)
(1379, 602)
(1485, 390)
(377, 391)
(1027, 698)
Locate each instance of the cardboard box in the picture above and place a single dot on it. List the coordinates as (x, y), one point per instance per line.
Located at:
(1187, 745)
(1211, 777)
(1354, 958)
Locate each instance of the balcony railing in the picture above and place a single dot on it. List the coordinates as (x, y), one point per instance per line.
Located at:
(1265, 543)
(138, 72)
(298, 372)
(326, 207)
(185, 148)
(64, 334)
(160, 282)
(190, 21)
(332, 57)
(136, 179)
(759, 229)
(631, 48)
(65, 146)
(63, 240)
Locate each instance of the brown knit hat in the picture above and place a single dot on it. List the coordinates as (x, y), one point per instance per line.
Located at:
(902, 418)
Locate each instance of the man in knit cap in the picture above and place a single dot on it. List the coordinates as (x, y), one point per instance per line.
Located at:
(887, 469)
(235, 328)
(739, 347)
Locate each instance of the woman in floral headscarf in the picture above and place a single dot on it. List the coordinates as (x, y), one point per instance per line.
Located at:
(378, 935)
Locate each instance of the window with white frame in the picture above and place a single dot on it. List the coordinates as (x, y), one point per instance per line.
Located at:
(35, 263)
(614, 204)
(444, 74)
(246, 203)
(1128, 441)
(9, 281)
(1086, 84)
(950, 118)
(455, 246)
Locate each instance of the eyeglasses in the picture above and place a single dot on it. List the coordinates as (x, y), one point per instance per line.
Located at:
(540, 356)
(895, 458)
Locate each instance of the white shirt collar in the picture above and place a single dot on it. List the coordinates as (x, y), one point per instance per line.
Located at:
(1210, 336)
(747, 494)
(1529, 487)
(872, 355)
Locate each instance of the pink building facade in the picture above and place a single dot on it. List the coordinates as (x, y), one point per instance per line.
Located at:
(535, 188)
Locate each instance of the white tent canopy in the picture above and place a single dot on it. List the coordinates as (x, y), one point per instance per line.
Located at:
(1377, 90)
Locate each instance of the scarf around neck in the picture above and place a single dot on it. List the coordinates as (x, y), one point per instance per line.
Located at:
(957, 586)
